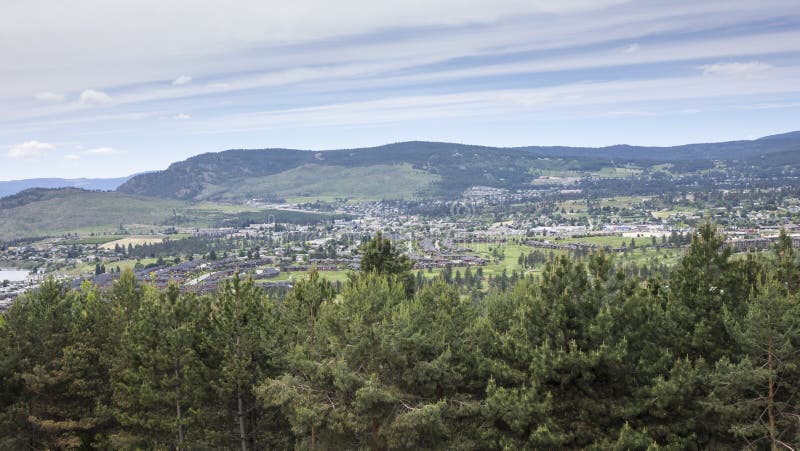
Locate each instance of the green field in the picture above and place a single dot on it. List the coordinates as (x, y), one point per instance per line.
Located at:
(88, 268)
(332, 276)
(610, 172)
(510, 261)
(103, 239)
(617, 172)
(603, 240)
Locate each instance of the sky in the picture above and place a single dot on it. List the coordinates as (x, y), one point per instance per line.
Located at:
(100, 88)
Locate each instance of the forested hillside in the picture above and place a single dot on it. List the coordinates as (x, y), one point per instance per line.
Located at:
(428, 168)
(579, 356)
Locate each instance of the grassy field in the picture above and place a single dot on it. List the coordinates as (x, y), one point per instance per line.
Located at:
(133, 241)
(681, 211)
(613, 241)
(92, 240)
(332, 276)
(511, 253)
(88, 268)
(609, 172)
(617, 172)
(621, 201)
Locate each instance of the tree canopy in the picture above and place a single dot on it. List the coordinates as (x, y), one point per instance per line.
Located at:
(580, 355)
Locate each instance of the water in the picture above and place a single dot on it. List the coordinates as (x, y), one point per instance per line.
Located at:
(14, 275)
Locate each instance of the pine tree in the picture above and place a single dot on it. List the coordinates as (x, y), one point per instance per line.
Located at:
(56, 342)
(382, 256)
(756, 393)
(432, 362)
(334, 394)
(788, 267)
(157, 379)
(309, 411)
(704, 281)
(563, 365)
(243, 338)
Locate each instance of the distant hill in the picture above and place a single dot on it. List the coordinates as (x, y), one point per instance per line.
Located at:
(422, 168)
(10, 187)
(48, 212)
(38, 211)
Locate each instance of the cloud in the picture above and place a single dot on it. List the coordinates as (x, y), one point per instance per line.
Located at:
(29, 149)
(621, 95)
(395, 48)
(633, 48)
(735, 69)
(50, 97)
(409, 70)
(182, 80)
(97, 151)
(92, 97)
(176, 117)
(251, 36)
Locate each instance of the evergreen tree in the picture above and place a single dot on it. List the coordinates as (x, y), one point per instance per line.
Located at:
(756, 392)
(431, 362)
(788, 267)
(241, 342)
(342, 403)
(53, 359)
(591, 353)
(310, 412)
(382, 256)
(704, 280)
(158, 376)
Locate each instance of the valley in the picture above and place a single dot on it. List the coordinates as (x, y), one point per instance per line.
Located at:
(300, 215)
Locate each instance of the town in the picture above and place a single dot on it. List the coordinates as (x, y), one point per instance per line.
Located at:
(487, 228)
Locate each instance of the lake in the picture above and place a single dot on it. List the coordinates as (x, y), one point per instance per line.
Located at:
(14, 275)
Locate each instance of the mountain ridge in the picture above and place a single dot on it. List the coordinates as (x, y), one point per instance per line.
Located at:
(453, 166)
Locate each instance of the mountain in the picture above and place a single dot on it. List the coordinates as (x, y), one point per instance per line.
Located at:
(425, 168)
(10, 187)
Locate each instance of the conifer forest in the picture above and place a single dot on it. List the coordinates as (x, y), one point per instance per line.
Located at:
(579, 356)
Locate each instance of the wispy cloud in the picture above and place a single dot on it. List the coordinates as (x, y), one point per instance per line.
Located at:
(400, 67)
(92, 97)
(384, 73)
(182, 80)
(29, 150)
(97, 151)
(507, 102)
(737, 69)
(632, 48)
(48, 96)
